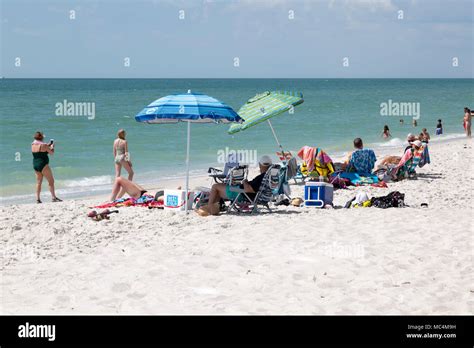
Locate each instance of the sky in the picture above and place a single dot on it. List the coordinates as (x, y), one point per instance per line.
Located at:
(236, 39)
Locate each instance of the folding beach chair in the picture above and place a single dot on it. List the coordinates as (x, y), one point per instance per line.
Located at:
(270, 184)
(408, 169)
(219, 175)
(236, 175)
(286, 173)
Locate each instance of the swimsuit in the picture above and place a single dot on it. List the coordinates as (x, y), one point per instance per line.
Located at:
(40, 160)
(120, 156)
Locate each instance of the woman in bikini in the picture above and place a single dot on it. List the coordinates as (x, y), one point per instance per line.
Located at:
(122, 157)
(40, 151)
(467, 121)
(126, 186)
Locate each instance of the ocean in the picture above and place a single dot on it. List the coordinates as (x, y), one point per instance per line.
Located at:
(334, 112)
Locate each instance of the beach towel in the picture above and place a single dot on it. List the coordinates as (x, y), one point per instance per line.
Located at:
(362, 162)
(359, 180)
(316, 162)
(143, 201)
(307, 154)
(410, 159)
(425, 157)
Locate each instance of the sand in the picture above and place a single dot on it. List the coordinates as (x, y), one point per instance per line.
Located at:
(410, 260)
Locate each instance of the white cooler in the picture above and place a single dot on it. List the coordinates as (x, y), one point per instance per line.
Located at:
(175, 200)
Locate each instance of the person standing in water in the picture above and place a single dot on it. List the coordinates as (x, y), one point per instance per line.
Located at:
(424, 136)
(122, 158)
(386, 132)
(467, 121)
(40, 151)
(439, 128)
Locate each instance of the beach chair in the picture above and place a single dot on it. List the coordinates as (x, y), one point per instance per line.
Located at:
(408, 170)
(220, 175)
(286, 173)
(270, 184)
(236, 175)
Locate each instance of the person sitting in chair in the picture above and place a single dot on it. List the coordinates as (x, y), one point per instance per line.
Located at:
(362, 160)
(223, 191)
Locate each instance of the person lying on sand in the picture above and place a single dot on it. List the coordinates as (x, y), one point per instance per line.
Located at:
(222, 191)
(132, 189)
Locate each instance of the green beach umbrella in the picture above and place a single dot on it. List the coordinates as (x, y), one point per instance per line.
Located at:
(263, 107)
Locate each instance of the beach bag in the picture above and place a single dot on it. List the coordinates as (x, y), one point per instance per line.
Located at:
(394, 199)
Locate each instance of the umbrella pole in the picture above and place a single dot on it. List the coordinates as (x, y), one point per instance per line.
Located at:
(275, 136)
(187, 168)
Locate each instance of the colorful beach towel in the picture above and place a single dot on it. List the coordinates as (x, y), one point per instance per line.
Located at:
(316, 162)
(143, 201)
(362, 162)
(425, 157)
(358, 180)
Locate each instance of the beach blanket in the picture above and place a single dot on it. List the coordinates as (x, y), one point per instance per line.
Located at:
(358, 180)
(143, 201)
(362, 162)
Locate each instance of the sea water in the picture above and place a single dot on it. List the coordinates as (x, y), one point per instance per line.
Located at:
(334, 112)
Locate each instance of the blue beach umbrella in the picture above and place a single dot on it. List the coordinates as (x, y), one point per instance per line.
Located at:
(189, 107)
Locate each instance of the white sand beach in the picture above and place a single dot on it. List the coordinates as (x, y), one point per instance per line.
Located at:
(413, 260)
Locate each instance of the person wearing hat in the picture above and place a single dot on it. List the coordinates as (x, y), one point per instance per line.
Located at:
(410, 138)
(415, 150)
(222, 191)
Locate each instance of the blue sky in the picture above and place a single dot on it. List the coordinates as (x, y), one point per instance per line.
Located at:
(425, 43)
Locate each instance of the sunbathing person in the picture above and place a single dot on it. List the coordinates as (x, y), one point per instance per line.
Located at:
(133, 189)
(396, 159)
(362, 160)
(222, 191)
(411, 158)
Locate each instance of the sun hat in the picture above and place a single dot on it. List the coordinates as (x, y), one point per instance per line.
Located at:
(417, 143)
(265, 160)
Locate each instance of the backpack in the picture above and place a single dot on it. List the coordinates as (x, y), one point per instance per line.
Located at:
(392, 200)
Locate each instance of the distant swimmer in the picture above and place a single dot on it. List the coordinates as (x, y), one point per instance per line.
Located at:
(386, 132)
